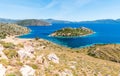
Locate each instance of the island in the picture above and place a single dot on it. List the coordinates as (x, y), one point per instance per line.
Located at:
(32, 22)
(72, 32)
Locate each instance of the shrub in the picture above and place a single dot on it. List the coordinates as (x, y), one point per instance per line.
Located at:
(8, 45)
(10, 53)
(37, 38)
(34, 66)
(4, 61)
(11, 74)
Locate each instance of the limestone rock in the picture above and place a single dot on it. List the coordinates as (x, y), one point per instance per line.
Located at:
(40, 59)
(66, 72)
(52, 57)
(27, 71)
(2, 55)
(23, 54)
(28, 47)
(2, 70)
(1, 48)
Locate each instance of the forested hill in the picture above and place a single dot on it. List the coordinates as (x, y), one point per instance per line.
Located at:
(35, 22)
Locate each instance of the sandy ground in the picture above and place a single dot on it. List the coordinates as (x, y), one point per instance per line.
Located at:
(15, 40)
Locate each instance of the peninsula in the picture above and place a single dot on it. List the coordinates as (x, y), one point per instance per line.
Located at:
(72, 32)
(9, 29)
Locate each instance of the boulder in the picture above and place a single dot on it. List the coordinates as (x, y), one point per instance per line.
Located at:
(24, 54)
(52, 57)
(27, 71)
(2, 70)
(1, 48)
(2, 55)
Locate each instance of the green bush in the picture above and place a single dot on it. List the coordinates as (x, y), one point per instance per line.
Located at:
(34, 66)
(10, 53)
(8, 45)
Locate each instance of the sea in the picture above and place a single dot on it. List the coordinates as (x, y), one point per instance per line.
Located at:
(105, 33)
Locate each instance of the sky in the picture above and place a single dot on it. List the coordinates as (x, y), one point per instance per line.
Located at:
(72, 10)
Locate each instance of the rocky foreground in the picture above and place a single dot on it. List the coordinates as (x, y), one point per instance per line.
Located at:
(42, 58)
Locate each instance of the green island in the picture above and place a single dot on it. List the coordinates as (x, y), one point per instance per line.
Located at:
(72, 32)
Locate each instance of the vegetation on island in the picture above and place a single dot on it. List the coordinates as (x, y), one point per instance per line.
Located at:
(33, 22)
(7, 29)
(72, 32)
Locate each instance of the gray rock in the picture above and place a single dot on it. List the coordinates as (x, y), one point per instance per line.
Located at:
(52, 57)
(27, 71)
(2, 70)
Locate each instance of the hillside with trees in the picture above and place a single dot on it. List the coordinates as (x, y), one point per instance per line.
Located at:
(35, 22)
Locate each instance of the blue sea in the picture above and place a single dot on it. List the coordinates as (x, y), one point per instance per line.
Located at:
(105, 33)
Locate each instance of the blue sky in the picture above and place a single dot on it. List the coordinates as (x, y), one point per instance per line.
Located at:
(73, 10)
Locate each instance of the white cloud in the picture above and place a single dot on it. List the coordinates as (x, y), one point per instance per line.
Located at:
(51, 4)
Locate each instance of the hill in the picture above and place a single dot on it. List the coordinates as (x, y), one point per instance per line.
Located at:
(25, 22)
(109, 52)
(43, 58)
(72, 32)
(103, 21)
(7, 29)
(35, 22)
(53, 21)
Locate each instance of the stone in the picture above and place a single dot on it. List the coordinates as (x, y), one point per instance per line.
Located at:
(66, 72)
(27, 71)
(24, 54)
(2, 70)
(1, 48)
(2, 55)
(40, 59)
(52, 57)
(72, 67)
(29, 48)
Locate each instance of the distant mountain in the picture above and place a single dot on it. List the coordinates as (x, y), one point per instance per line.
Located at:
(3, 20)
(28, 22)
(56, 21)
(45, 22)
(25, 22)
(105, 21)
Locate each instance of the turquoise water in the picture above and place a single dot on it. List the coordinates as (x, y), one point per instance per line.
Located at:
(105, 33)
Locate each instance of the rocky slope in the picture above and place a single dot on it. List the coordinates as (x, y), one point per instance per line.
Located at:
(12, 29)
(43, 58)
(109, 52)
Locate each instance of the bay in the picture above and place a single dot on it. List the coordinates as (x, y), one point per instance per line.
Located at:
(105, 34)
